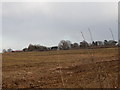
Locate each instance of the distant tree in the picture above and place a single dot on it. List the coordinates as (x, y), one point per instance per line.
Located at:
(54, 48)
(31, 47)
(64, 45)
(94, 43)
(84, 44)
(4, 51)
(37, 48)
(72, 46)
(9, 50)
(75, 45)
(25, 49)
(118, 42)
(106, 43)
(99, 43)
(69, 43)
(112, 42)
(42, 48)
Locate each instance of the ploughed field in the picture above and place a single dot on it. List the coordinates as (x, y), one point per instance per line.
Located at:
(81, 68)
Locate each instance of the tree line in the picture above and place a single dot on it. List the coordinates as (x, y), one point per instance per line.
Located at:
(66, 45)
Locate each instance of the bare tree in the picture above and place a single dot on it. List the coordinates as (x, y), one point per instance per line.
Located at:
(4, 51)
(112, 42)
(9, 50)
(64, 45)
(37, 48)
(84, 44)
(106, 43)
(118, 42)
(75, 45)
(25, 49)
(99, 43)
(30, 47)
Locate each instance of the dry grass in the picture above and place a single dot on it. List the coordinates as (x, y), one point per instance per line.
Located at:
(41, 69)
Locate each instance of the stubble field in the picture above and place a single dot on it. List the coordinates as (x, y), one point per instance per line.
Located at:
(82, 68)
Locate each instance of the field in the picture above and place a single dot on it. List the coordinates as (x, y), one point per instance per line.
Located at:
(82, 68)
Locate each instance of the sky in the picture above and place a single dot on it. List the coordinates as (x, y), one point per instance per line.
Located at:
(46, 23)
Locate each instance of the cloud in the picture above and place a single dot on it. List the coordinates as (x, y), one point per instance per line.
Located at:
(49, 22)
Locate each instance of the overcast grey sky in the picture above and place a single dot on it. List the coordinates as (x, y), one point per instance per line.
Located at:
(46, 23)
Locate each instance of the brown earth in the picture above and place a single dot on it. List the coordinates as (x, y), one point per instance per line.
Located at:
(83, 68)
